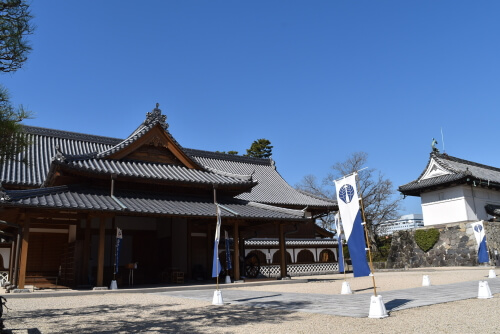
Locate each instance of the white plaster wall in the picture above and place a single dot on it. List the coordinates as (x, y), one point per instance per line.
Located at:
(457, 204)
(444, 206)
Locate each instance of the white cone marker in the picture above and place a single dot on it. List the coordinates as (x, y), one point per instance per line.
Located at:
(217, 300)
(492, 273)
(346, 288)
(377, 308)
(113, 286)
(484, 291)
(426, 281)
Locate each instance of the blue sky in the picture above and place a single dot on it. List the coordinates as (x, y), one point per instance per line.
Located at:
(319, 79)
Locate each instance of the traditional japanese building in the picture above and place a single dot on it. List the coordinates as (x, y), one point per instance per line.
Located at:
(60, 210)
(454, 190)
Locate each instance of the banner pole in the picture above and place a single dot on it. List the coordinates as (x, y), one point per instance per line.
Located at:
(367, 238)
(116, 246)
(217, 263)
(342, 247)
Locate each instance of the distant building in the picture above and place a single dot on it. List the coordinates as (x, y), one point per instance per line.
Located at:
(406, 222)
(454, 190)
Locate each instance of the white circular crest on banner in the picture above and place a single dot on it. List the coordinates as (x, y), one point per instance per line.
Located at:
(346, 193)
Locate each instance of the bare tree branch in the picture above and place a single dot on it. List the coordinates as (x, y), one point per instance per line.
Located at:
(380, 200)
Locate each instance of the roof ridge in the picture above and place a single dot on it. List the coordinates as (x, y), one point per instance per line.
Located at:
(70, 135)
(439, 160)
(295, 212)
(316, 196)
(467, 162)
(236, 176)
(225, 156)
(125, 142)
(116, 141)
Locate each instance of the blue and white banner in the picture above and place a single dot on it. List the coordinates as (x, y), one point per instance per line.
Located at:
(216, 267)
(119, 238)
(340, 251)
(482, 250)
(348, 201)
(228, 251)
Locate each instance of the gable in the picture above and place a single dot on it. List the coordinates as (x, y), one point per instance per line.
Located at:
(434, 170)
(155, 146)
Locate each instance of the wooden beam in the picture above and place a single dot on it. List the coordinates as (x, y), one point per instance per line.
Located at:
(236, 259)
(100, 253)
(24, 254)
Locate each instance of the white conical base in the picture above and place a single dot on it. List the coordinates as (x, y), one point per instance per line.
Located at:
(346, 288)
(113, 285)
(484, 291)
(377, 308)
(228, 279)
(492, 273)
(217, 300)
(426, 281)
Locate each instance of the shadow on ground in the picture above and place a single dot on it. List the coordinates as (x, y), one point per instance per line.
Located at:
(395, 303)
(136, 318)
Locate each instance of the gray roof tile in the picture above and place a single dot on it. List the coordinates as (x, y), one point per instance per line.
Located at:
(145, 170)
(84, 198)
(271, 187)
(461, 171)
(86, 152)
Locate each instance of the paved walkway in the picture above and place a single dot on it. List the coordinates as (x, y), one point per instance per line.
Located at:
(355, 305)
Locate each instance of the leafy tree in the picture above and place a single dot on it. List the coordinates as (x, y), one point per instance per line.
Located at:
(12, 142)
(14, 49)
(261, 148)
(377, 192)
(14, 27)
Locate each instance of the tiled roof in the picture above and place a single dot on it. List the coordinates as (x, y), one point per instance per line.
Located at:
(290, 242)
(42, 150)
(88, 152)
(153, 171)
(458, 171)
(81, 198)
(271, 188)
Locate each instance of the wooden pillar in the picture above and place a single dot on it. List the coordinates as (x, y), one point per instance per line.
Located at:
(282, 251)
(24, 254)
(100, 253)
(86, 251)
(189, 245)
(236, 261)
(11, 258)
(210, 250)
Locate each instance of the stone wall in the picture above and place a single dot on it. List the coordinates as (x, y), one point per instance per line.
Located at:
(456, 247)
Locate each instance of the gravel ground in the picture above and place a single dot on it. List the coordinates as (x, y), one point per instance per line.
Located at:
(149, 313)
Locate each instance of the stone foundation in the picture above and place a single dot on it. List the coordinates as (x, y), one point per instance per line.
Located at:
(456, 247)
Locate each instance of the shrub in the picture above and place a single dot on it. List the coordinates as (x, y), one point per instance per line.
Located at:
(426, 239)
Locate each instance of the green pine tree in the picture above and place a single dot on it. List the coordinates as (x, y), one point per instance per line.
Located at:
(261, 148)
(14, 49)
